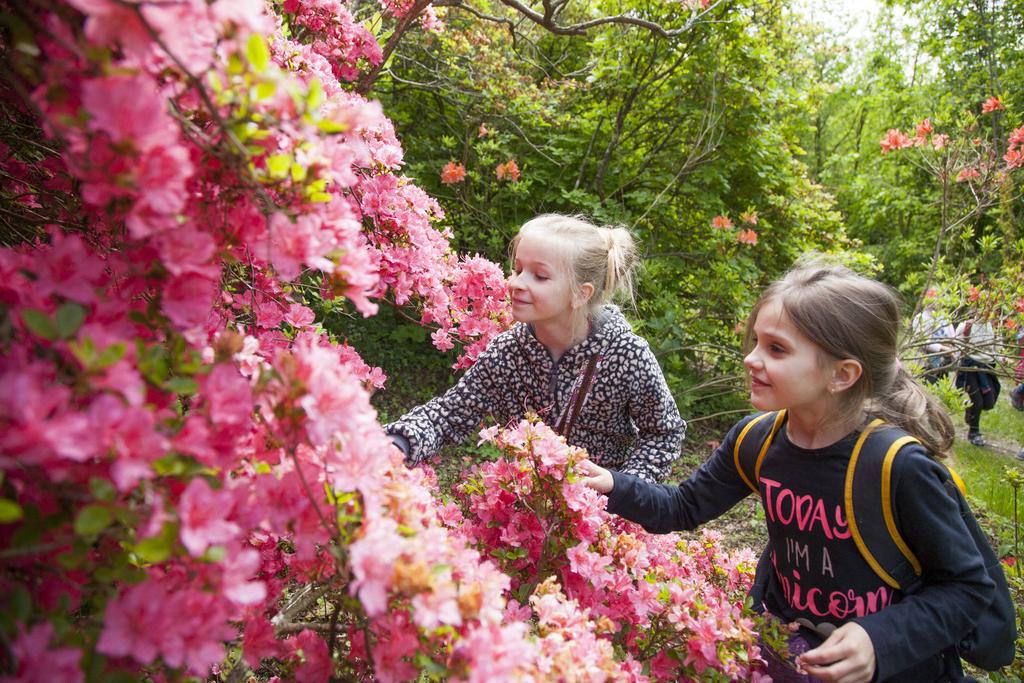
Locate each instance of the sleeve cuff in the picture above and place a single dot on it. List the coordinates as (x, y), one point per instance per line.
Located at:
(623, 484)
(401, 443)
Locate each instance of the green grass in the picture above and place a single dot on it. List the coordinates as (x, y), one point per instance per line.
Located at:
(984, 469)
(1003, 422)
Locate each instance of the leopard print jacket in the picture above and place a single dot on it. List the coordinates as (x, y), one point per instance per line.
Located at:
(629, 421)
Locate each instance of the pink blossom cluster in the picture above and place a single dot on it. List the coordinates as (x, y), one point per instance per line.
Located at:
(1014, 156)
(675, 603)
(981, 167)
(336, 36)
(895, 139)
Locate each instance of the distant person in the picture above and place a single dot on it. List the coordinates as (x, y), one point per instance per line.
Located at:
(823, 347)
(974, 374)
(565, 273)
(931, 325)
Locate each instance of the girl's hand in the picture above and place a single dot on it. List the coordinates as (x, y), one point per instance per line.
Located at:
(598, 478)
(847, 656)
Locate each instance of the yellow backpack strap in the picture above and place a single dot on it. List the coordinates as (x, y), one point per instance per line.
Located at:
(957, 480)
(748, 454)
(868, 502)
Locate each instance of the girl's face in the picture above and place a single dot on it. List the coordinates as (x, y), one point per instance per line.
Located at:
(541, 290)
(787, 370)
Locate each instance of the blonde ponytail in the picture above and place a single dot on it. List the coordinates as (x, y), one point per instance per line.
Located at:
(620, 265)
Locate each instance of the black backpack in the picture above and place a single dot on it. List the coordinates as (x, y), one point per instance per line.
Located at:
(990, 644)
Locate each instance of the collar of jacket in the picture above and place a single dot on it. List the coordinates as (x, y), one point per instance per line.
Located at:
(608, 325)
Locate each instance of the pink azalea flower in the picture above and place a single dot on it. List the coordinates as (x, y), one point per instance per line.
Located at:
(895, 139)
(508, 171)
(395, 652)
(260, 642)
(721, 223)
(188, 250)
(372, 561)
(442, 340)
(315, 660)
(299, 316)
(204, 517)
(187, 299)
(135, 622)
(228, 396)
(924, 129)
(38, 663)
(1016, 138)
(453, 173)
(69, 269)
(991, 104)
(746, 237)
(1014, 158)
(129, 109)
(967, 174)
(238, 570)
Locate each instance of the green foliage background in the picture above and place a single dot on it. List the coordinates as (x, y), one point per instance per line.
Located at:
(752, 109)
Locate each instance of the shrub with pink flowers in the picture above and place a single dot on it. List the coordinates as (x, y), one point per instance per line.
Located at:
(672, 603)
(193, 481)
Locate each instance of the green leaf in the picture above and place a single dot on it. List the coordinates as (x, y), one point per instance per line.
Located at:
(69, 318)
(10, 511)
(265, 90)
(315, 97)
(92, 519)
(154, 549)
(182, 385)
(39, 324)
(111, 355)
(84, 351)
(215, 553)
(20, 605)
(102, 489)
(279, 165)
(257, 53)
(331, 127)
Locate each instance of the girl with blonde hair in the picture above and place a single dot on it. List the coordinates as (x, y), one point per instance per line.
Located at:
(571, 349)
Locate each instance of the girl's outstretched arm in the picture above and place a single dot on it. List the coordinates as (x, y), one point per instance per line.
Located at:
(458, 412)
(660, 508)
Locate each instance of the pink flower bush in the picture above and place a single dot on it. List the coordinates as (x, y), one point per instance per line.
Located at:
(528, 511)
(193, 474)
